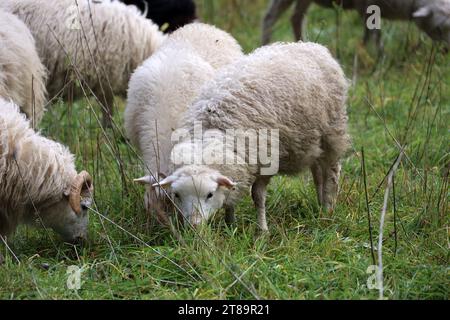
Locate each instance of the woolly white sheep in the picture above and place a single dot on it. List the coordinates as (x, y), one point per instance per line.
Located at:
(162, 89)
(101, 43)
(297, 89)
(22, 75)
(432, 16)
(38, 181)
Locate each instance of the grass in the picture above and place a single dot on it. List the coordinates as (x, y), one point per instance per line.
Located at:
(405, 97)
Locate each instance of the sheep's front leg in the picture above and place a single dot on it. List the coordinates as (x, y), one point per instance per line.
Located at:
(331, 174)
(297, 19)
(230, 217)
(259, 193)
(275, 10)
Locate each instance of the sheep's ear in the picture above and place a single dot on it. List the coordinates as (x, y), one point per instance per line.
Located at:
(145, 180)
(167, 182)
(422, 12)
(225, 182)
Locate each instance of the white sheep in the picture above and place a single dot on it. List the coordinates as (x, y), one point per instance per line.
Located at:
(297, 89)
(162, 89)
(100, 43)
(22, 75)
(38, 181)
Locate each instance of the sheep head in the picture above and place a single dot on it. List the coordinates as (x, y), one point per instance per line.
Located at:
(434, 19)
(69, 217)
(198, 191)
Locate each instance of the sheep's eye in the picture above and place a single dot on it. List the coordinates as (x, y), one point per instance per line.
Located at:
(177, 195)
(209, 196)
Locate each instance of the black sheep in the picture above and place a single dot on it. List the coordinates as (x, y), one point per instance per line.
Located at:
(169, 14)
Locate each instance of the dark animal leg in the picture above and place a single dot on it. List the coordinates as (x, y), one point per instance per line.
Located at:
(274, 12)
(230, 217)
(297, 19)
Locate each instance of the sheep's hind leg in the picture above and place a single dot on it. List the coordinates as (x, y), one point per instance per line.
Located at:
(259, 193)
(330, 174)
(316, 170)
(275, 10)
(297, 19)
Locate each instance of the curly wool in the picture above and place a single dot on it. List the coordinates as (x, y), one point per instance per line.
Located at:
(22, 75)
(159, 93)
(35, 172)
(296, 88)
(110, 41)
(215, 46)
(162, 89)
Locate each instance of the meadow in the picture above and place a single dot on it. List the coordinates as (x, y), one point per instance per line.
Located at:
(399, 104)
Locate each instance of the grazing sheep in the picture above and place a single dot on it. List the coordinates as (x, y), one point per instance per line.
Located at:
(431, 16)
(215, 46)
(38, 181)
(22, 75)
(99, 43)
(169, 15)
(297, 89)
(162, 89)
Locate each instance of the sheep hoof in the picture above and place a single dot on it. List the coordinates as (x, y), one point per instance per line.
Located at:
(263, 232)
(230, 219)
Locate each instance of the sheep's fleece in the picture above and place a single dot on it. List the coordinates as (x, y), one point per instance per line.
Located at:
(162, 89)
(106, 38)
(36, 176)
(298, 89)
(22, 75)
(214, 45)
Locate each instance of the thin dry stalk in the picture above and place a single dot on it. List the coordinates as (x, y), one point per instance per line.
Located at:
(382, 219)
(369, 219)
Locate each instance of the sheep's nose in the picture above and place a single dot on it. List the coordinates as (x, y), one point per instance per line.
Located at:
(196, 220)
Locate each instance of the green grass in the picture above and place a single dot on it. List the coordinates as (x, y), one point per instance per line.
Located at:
(308, 254)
